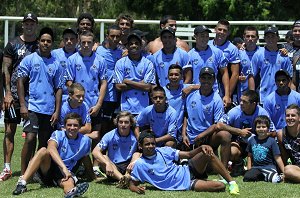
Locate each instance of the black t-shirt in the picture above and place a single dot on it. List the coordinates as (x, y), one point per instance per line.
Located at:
(17, 49)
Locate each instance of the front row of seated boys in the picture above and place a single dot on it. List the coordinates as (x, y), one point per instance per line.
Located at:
(68, 148)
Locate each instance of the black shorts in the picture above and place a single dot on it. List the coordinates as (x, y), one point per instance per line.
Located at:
(54, 174)
(122, 166)
(108, 110)
(96, 122)
(12, 115)
(38, 122)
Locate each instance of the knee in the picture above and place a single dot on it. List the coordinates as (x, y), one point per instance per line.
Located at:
(288, 171)
(224, 136)
(9, 135)
(30, 138)
(42, 151)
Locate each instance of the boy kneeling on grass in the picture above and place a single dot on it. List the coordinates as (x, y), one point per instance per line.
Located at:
(264, 152)
(56, 163)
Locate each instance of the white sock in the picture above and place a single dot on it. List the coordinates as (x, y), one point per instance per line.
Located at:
(95, 168)
(232, 182)
(23, 182)
(7, 166)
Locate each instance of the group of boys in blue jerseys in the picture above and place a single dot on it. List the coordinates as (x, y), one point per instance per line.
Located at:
(153, 113)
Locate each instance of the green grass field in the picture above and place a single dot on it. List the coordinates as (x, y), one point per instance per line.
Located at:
(258, 189)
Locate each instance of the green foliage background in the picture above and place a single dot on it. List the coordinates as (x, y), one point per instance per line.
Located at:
(193, 10)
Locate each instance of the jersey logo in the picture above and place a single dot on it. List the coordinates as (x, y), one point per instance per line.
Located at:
(36, 66)
(207, 109)
(140, 72)
(78, 67)
(115, 146)
(94, 67)
(151, 171)
(245, 124)
(266, 61)
(244, 62)
(21, 52)
(210, 60)
(127, 70)
(193, 104)
(277, 106)
(63, 149)
(195, 62)
(50, 71)
(162, 64)
(63, 64)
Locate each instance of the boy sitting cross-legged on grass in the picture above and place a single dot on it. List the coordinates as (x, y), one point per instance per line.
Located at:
(264, 152)
(56, 163)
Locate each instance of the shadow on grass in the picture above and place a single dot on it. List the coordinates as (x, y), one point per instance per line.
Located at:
(16, 173)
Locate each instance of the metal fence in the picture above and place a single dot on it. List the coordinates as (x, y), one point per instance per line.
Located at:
(102, 22)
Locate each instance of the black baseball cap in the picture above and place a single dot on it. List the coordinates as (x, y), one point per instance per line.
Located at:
(207, 70)
(201, 28)
(282, 72)
(271, 29)
(134, 34)
(70, 30)
(168, 29)
(140, 32)
(30, 16)
(47, 30)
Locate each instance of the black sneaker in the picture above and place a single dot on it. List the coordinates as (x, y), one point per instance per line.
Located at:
(20, 189)
(78, 190)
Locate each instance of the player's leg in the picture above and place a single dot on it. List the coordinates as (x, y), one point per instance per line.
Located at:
(223, 139)
(207, 186)
(292, 173)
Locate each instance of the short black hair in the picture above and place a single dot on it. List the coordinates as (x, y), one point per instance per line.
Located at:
(253, 96)
(251, 28)
(113, 27)
(146, 134)
(175, 66)
(46, 30)
(86, 16)
(157, 89)
(164, 20)
(262, 119)
(74, 116)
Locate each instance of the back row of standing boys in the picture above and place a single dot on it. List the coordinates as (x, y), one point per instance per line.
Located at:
(190, 89)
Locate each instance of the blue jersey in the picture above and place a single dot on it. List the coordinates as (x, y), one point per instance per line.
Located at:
(134, 100)
(160, 123)
(45, 77)
(163, 61)
(119, 148)
(161, 171)
(245, 69)
(276, 106)
(202, 111)
(88, 71)
(238, 119)
(71, 150)
(111, 56)
(82, 110)
(62, 57)
(176, 101)
(263, 152)
(230, 51)
(266, 64)
(211, 57)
